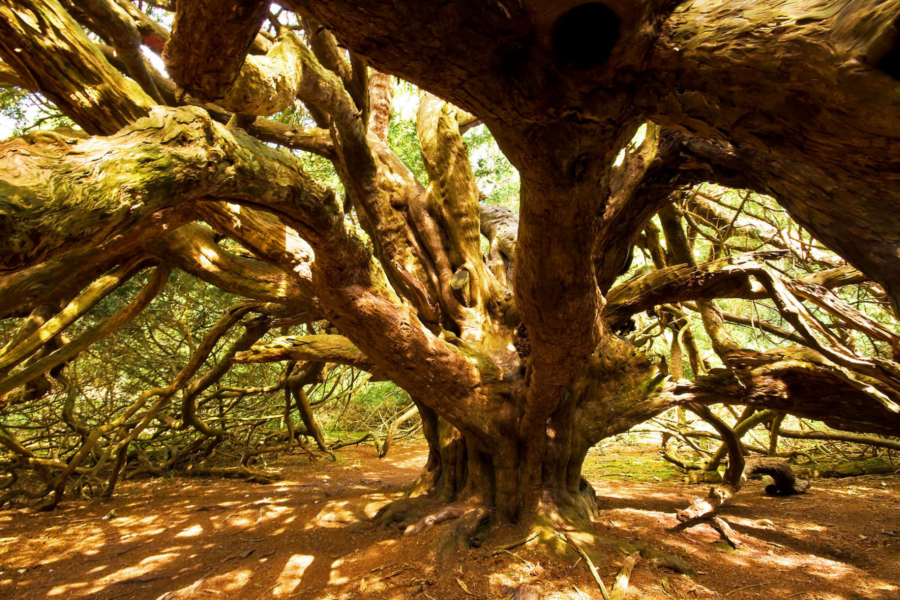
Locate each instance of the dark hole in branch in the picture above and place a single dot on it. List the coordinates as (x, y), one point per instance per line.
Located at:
(890, 63)
(585, 36)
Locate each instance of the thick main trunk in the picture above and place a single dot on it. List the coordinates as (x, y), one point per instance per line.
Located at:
(613, 391)
(459, 472)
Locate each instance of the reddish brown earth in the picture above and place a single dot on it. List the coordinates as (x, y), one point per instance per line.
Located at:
(214, 538)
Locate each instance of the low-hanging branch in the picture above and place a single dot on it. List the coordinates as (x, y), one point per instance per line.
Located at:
(324, 348)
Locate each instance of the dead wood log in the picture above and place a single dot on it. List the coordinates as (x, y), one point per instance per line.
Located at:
(786, 484)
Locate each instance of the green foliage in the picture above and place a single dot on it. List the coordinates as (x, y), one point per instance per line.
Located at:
(402, 135)
(865, 298)
(497, 179)
(21, 112)
(404, 142)
(380, 392)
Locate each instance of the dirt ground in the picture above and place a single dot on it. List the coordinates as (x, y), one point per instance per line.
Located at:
(300, 538)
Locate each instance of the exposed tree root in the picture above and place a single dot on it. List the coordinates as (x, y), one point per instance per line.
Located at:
(702, 507)
(704, 510)
(515, 543)
(566, 532)
(453, 511)
(468, 531)
(548, 530)
(415, 515)
(524, 592)
(404, 513)
(726, 531)
(657, 558)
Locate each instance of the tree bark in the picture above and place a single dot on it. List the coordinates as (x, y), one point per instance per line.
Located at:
(50, 51)
(209, 44)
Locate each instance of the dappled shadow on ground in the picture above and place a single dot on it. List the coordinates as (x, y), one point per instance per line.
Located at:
(190, 535)
(840, 540)
(306, 537)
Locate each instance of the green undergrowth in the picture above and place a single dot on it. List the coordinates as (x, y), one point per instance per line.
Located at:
(343, 434)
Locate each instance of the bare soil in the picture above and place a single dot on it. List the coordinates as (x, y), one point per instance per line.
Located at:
(307, 537)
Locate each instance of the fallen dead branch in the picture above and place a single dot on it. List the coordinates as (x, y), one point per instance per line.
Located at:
(515, 543)
(620, 587)
(726, 531)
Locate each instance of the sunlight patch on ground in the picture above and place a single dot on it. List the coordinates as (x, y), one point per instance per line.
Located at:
(192, 531)
(150, 532)
(143, 568)
(143, 522)
(63, 589)
(372, 508)
(292, 574)
(337, 514)
(323, 561)
(335, 577)
(233, 581)
(805, 526)
(238, 521)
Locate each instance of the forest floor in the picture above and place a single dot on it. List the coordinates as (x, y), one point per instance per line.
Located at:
(229, 539)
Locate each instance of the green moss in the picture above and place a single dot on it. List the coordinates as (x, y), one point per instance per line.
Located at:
(645, 468)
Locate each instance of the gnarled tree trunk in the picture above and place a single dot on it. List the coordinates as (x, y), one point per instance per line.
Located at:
(513, 362)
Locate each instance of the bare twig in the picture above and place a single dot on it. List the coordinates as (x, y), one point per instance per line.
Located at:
(755, 585)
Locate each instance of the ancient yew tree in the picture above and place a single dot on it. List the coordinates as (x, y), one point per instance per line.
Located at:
(512, 333)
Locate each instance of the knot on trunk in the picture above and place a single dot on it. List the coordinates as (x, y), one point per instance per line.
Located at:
(521, 341)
